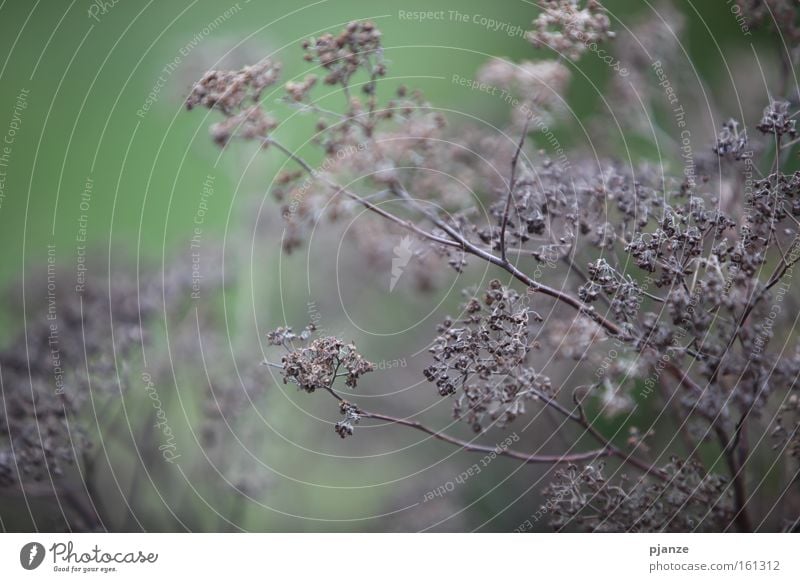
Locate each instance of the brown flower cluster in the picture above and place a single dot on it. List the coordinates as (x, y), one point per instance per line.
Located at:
(565, 27)
(317, 365)
(237, 94)
(481, 359)
(344, 428)
(731, 142)
(538, 85)
(777, 120)
(230, 91)
(342, 55)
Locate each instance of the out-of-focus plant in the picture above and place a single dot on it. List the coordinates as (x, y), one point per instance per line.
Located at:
(54, 443)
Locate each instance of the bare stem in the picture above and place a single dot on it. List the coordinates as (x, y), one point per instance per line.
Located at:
(457, 240)
(469, 446)
(352, 195)
(512, 181)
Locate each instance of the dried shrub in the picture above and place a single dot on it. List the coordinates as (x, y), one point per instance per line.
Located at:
(648, 260)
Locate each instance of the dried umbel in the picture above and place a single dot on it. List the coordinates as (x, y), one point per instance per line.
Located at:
(731, 142)
(236, 94)
(625, 293)
(230, 91)
(538, 86)
(344, 428)
(342, 55)
(565, 27)
(481, 359)
(662, 291)
(777, 120)
(316, 366)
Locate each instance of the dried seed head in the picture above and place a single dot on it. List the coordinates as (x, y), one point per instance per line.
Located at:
(564, 27)
(228, 91)
(776, 120)
(731, 142)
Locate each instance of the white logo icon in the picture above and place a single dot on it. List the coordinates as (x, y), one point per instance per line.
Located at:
(403, 252)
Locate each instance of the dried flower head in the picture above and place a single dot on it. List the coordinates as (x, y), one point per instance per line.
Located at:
(776, 120)
(539, 85)
(344, 428)
(229, 91)
(316, 366)
(568, 29)
(342, 55)
(481, 359)
(250, 123)
(236, 94)
(731, 142)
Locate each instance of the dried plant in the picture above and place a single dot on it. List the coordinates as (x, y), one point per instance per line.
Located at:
(689, 501)
(565, 27)
(41, 435)
(649, 263)
(66, 378)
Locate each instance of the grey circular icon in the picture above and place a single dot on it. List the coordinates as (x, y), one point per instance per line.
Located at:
(31, 555)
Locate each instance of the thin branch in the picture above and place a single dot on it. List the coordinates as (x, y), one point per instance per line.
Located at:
(310, 106)
(329, 387)
(458, 241)
(567, 259)
(349, 193)
(736, 469)
(272, 364)
(468, 446)
(512, 181)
